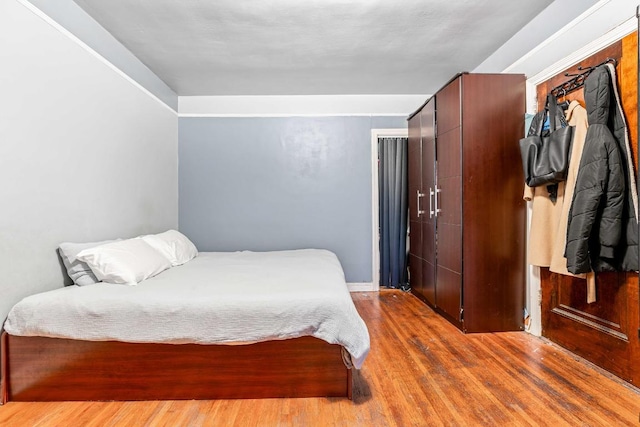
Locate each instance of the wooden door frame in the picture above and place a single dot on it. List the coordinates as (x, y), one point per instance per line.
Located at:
(375, 202)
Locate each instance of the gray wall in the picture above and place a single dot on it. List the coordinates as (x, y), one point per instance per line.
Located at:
(84, 154)
(280, 183)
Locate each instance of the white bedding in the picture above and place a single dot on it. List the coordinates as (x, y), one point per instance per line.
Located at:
(230, 297)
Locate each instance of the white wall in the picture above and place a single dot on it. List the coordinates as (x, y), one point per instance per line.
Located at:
(78, 22)
(85, 153)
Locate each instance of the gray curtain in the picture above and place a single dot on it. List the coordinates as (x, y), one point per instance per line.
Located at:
(392, 175)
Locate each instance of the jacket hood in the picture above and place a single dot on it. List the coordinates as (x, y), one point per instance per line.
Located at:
(597, 96)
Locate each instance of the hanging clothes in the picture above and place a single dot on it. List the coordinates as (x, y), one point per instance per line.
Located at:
(546, 209)
(545, 218)
(576, 116)
(602, 232)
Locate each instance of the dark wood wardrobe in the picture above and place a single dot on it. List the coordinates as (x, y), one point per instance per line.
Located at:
(467, 218)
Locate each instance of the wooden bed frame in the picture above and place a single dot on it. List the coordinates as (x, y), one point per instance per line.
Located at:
(52, 369)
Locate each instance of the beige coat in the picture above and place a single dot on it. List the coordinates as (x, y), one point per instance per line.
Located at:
(548, 233)
(545, 217)
(576, 116)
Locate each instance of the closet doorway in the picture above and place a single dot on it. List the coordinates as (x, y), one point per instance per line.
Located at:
(377, 251)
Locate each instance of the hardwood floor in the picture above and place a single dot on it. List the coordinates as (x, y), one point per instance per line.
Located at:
(421, 371)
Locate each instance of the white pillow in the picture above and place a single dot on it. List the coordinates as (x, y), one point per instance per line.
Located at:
(77, 270)
(126, 262)
(174, 245)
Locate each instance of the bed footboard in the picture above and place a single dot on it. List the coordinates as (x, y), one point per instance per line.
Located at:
(51, 369)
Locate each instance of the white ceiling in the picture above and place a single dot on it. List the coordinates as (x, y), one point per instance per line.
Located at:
(311, 47)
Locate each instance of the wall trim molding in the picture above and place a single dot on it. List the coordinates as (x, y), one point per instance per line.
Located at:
(617, 33)
(361, 287)
(46, 18)
(558, 34)
(375, 203)
(297, 105)
(204, 115)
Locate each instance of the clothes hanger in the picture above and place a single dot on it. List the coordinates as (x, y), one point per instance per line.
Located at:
(564, 104)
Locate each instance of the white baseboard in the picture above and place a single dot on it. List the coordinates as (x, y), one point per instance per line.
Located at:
(362, 287)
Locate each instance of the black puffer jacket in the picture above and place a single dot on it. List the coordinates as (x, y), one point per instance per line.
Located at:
(602, 233)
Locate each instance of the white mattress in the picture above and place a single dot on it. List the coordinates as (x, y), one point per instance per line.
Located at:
(230, 298)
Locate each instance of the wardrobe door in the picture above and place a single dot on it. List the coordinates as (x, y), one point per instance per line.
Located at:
(449, 107)
(428, 135)
(449, 260)
(493, 211)
(414, 167)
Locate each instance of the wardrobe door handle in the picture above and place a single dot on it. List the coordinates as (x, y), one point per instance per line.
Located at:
(438, 190)
(431, 211)
(419, 194)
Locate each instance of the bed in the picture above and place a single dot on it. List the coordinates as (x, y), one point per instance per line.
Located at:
(224, 325)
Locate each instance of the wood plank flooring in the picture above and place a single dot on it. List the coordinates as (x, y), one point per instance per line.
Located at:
(421, 371)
